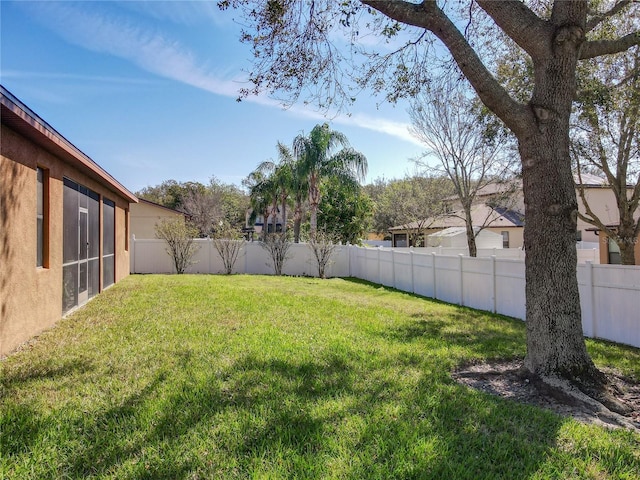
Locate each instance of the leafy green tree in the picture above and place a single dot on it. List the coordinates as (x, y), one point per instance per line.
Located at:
(318, 158)
(606, 141)
(206, 205)
(263, 198)
(170, 193)
(295, 51)
(345, 210)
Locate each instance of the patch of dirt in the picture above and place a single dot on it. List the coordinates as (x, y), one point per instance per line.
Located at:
(505, 380)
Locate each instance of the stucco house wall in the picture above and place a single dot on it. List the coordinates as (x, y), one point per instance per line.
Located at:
(602, 201)
(31, 296)
(145, 215)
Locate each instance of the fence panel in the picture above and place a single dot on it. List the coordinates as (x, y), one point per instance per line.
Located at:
(424, 274)
(477, 283)
(448, 278)
(386, 270)
(403, 271)
(510, 288)
(610, 301)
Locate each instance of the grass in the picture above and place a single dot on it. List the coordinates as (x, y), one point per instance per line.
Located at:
(274, 377)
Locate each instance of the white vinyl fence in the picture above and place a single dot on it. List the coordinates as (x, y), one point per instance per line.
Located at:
(609, 294)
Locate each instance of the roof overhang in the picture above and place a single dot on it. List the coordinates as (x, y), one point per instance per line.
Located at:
(20, 118)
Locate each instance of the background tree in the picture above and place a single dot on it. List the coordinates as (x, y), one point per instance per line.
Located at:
(206, 205)
(414, 202)
(262, 198)
(203, 209)
(233, 202)
(446, 117)
(345, 211)
(606, 142)
(318, 158)
(179, 235)
(282, 175)
(293, 50)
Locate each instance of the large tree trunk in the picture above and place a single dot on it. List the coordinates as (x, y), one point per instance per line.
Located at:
(555, 341)
(284, 215)
(297, 219)
(314, 203)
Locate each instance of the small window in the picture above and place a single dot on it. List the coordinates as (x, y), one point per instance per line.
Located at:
(505, 239)
(42, 218)
(400, 240)
(578, 235)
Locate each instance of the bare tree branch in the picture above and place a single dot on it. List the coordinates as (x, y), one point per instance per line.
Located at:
(429, 16)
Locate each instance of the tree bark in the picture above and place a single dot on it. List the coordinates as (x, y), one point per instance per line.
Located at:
(471, 234)
(626, 240)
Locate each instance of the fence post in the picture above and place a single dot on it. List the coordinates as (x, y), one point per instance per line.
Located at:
(590, 303)
(494, 285)
(379, 270)
(461, 282)
(434, 275)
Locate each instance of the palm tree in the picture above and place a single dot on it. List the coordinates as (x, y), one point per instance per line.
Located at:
(284, 179)
(317, 159)
(262, 192)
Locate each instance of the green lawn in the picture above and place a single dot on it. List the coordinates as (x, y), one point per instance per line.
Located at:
(275, 377)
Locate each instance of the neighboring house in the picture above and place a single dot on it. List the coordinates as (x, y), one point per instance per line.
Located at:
(145, 215)
(258, 223)
(63, 225)
(602, 201)
(609, 250)
(456, 237)
(507, 223)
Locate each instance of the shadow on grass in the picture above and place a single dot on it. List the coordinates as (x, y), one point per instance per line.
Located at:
(259, 414)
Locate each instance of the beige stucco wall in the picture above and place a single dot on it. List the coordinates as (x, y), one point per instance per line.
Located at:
(31, 297)
(145, 216)
(604, 249)
(603, 203)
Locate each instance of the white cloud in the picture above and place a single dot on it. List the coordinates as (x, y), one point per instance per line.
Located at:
(111, 32)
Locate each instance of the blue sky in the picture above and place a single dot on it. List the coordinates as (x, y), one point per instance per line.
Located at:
(148, 90)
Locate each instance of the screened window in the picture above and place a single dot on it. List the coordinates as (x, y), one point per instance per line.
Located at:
(80, 245)
(108, 242)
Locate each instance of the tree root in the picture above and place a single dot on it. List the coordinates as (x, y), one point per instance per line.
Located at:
(611, 400)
